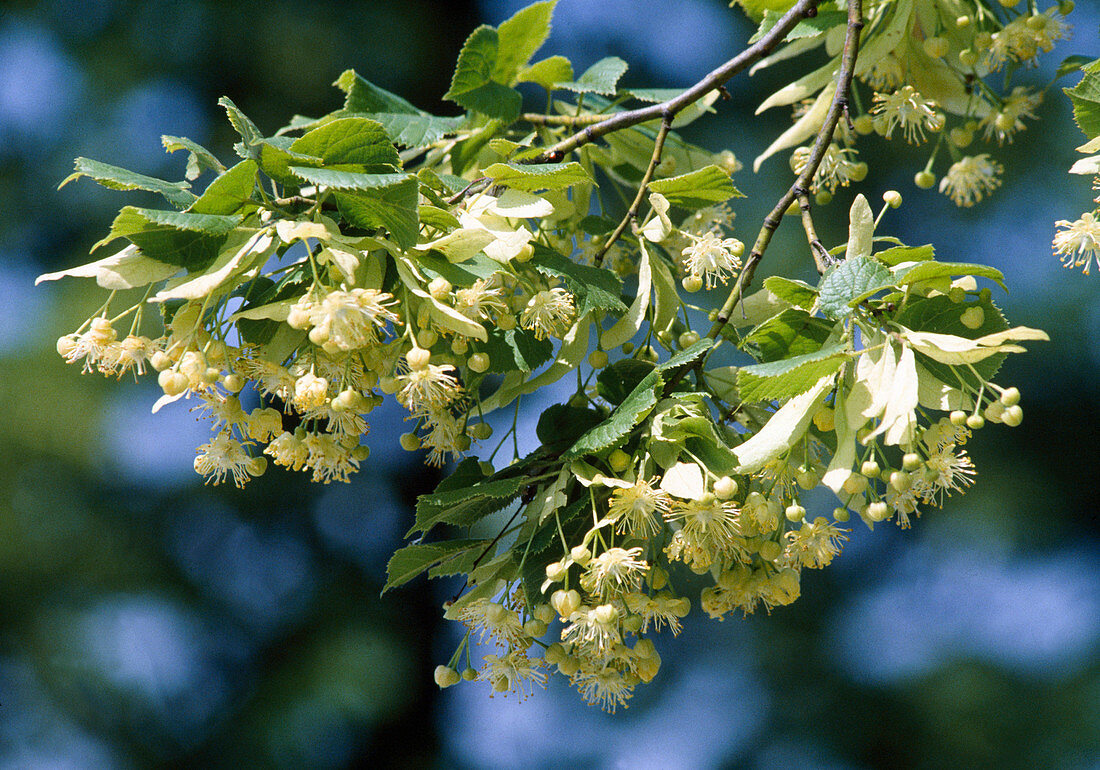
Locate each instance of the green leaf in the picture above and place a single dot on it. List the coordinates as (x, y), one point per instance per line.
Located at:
(465, 506)
(276, 158)
(797, 293)
(687, 356)
(198, 157)
(1072, 64)
(617, 381)
(1086, 103)
(230, 191)
(412, 560)
(115, 178)
(349, 180)
(361, 95)
(940, 315)
(899, 254)
(697, 189)
(925, 271)
(811, 27)
(794, 332)
(473, 86)
(561, 425)
(392, 207)
(600, 78)
(850, 279)
(407, 130)
(790, 376)
(544, 176)
(547, 72)
(593, 288)
(173, 237)
(249, 133)
(516, 349)
(519, 38)
(615, 429)
(358, 141)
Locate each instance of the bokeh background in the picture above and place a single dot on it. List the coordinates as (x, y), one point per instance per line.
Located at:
(146, 620)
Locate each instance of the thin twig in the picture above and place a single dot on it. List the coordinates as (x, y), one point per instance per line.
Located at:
(822, 259)
(539, 119)
(824, 137)
(620, 120)
(632, 212)
(477, 185)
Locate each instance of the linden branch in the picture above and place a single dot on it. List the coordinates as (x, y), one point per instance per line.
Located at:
(667, 110)
(838, 108)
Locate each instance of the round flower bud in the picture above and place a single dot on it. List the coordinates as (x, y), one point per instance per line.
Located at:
(1013, 415)
(892, 198)
(627, 348)
(823, 197)
(631, 623)
(956, 294)
(877, 511)
(67, 344)
(855, 484)
(597, 359)
(525, 253)
(770, 550)
(657, 578)
(360, 453)
(469, 674)
(957, 418)
(418, 358)
(565, 603)
(692, 283)
(440, 287)
(840, 513)
(864, 124)
(298, 317)
(160, 360)
(968, 57)
(1010, 396)
(462, 443)
(807, 478)
(687, 339)
(911, 461)
(478, 362)
(606, 613)
(936, 47)
(975, 421)
(1065, 7)
(900, 481)
(234, 383)
(427, 337)
(795, 512)
(870, 469)
(555, 571)
(994, 412)
(725, 488)
(580, 554)
(388, 385)
(824, 419)
(534, 628)
(486, 468)
(973, 317)
(459, 346)
(445, 677)
(924, 179)
(618, 460)
(962, 22)
(318, 335)
(211, 375)
(410, 442)
(256, 466)
(506, 322)
(480, 431)
(961, 138)
(172, 382)
(859, 172)
(347, 400)
(554, 654)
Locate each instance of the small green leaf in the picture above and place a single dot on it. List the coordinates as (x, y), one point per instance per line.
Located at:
(794, 332)
(1072, 64)
(230, 191)
(392, 207)
(412, 560)
(925, 271)
(173, 237)
(617, 381)
(547, 72)
(407, 130)
(810, 27)
(1086, 102)
(615, 429)
(115, 178)
(600, 78)
(544, 176)
(561, 425)
(358, 141)
(696, 189)
(349, 180)
(797, 293)
(249, 133)
(473, 86)
(520, 36)
(516, 349)
(593, 288)
(465, 506)
(361, 95)
(899, 254)
(790, 376)
(198, 157)
(850, 279)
